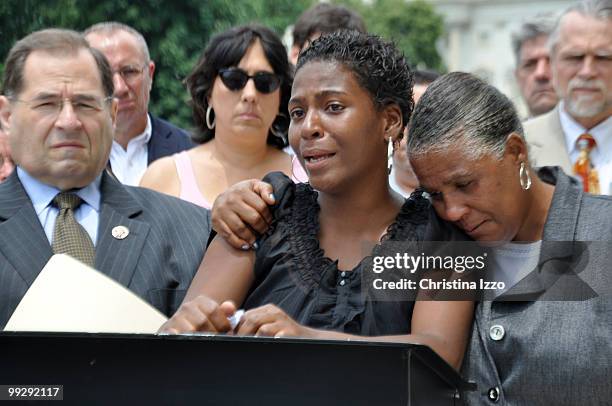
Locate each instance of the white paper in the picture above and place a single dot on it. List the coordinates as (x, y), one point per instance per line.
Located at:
(69, 296)
(235, 319)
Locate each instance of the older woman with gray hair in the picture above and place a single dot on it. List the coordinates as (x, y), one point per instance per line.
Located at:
(467, 148)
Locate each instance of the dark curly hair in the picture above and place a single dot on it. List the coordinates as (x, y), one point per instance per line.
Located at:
(226, 50)
(379, 67)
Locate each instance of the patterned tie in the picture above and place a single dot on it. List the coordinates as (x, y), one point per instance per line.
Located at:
(69, 237)
(583, 166)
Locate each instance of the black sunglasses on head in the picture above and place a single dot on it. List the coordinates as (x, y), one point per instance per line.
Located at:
(236, 79)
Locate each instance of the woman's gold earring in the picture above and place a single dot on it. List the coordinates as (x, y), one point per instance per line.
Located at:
(524, 177)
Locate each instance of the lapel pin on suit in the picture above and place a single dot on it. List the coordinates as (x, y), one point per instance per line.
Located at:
(120, 232)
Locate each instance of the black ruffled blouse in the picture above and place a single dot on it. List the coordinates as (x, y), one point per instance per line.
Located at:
(292, 271)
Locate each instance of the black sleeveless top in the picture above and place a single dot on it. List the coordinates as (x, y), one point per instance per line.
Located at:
(292, 272)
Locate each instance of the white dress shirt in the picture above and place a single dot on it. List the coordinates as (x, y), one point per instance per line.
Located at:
(129, 165)
(601, 155)
(41, 195)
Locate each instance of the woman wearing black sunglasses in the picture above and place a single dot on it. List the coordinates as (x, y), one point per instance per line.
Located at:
(351, 98)
(239, 92)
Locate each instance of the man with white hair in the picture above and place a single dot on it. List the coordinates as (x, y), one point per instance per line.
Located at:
(577, 134)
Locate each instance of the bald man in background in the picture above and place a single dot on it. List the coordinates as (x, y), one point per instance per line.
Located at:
(140, 137)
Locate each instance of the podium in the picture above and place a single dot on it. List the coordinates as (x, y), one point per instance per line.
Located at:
(225, 370)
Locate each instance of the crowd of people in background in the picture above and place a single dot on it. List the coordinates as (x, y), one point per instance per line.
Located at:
(353, 144)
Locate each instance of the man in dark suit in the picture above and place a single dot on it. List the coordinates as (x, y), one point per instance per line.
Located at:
(140, 138)
(58, 112)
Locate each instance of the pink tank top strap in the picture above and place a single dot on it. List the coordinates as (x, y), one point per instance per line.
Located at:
(298, 174)
(189, 186)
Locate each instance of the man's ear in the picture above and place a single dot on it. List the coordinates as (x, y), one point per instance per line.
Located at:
(113, 111)
(516, 148)
(5, 113)
(151, 70)
(393, 122)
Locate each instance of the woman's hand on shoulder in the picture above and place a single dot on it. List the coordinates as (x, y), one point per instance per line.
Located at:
(241, 212)
(271, 321)
(200, 314)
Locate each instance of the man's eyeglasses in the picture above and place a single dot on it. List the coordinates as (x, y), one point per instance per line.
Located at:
(130, 73)
(83, 106)
(236, 79)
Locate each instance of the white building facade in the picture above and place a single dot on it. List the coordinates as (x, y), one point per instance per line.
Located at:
(478, 37)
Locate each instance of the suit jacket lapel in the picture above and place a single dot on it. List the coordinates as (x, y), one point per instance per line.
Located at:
(160, 143)
(562, 219)
(548, 141)
(118, 257)
(22, 239)
(557, 143)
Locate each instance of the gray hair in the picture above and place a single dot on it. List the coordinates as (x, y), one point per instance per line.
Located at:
(60, 42)
(111, 27)
(461, 109)
(540, 25)
(598, 9)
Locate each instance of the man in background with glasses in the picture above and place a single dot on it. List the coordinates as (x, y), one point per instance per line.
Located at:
(58, 111)
(140, 138)
(577, 134)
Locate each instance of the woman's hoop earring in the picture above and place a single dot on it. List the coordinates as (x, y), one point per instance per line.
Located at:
(208, 123)
(276, 133)
(524, 177)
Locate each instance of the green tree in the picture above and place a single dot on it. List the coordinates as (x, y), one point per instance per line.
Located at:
(413, 25)
(176, 31)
